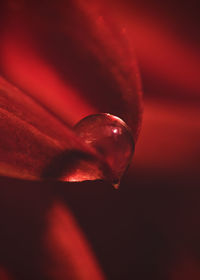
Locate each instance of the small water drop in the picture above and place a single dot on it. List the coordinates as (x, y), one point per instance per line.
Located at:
(111, 138)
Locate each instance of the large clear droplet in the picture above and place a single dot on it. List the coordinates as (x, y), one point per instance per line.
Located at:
(111, 138)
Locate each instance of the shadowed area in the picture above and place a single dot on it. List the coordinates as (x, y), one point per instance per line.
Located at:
(39, 237)
(148, 228)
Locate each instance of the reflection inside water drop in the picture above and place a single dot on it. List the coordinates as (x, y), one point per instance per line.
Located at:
(111, 138)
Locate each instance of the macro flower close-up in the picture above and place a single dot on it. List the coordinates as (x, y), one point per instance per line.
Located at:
(99, 140)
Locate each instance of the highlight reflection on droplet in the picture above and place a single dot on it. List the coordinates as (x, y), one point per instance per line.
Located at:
(111, 138)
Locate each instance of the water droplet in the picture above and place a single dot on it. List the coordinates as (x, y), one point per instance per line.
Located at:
(111, 138)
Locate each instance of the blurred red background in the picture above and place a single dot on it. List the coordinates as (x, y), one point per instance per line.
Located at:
(149, 228)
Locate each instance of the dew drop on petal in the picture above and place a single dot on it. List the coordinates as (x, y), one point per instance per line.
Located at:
(111, 138)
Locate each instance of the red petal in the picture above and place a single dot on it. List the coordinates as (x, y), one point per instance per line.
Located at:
(31, 137)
